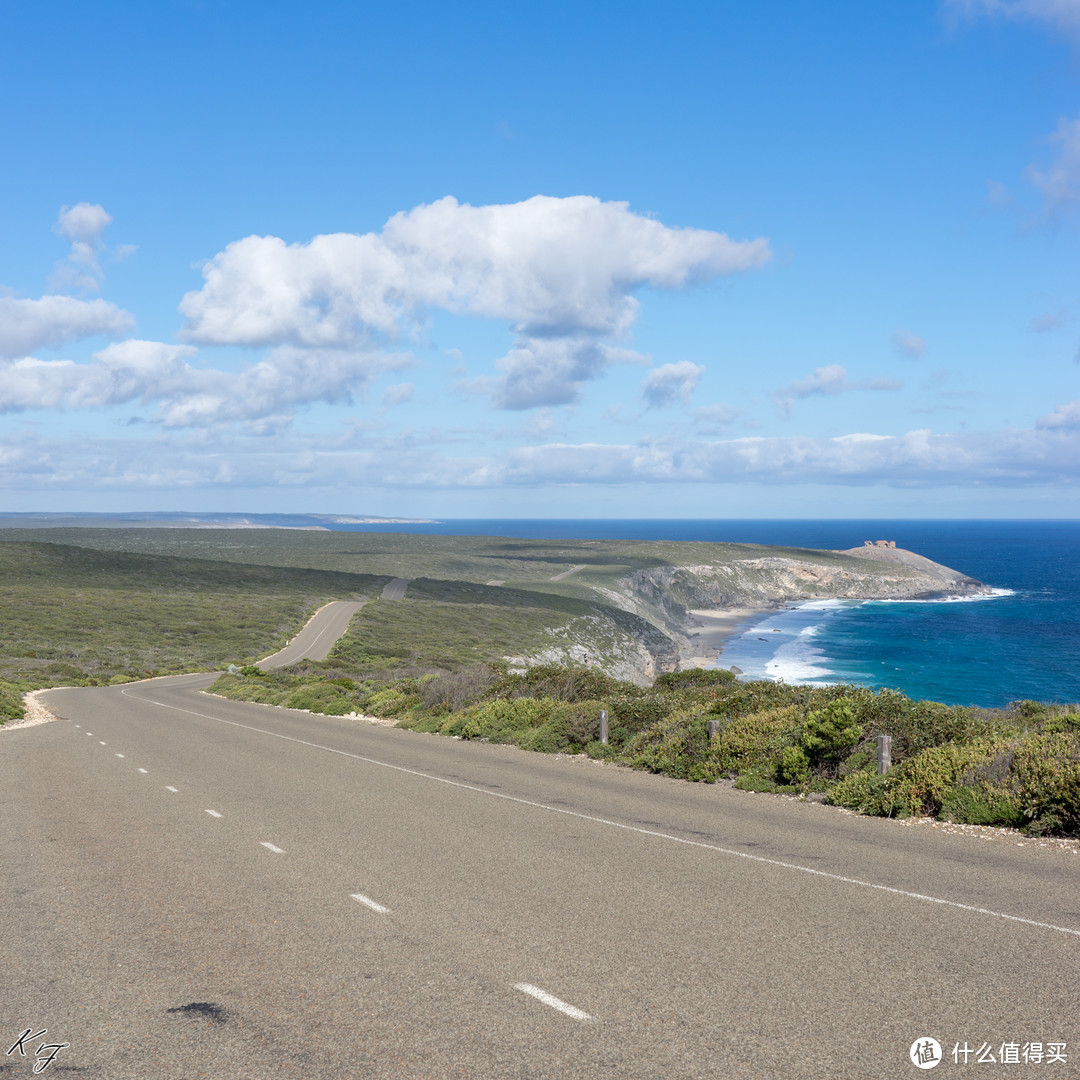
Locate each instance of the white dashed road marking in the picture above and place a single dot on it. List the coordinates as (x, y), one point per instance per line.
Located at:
(167, 788)
(272, 847)
(119, 755)
(552, 1000)
(368, 902)
(142, 770)
(213, 813)
(669, 837)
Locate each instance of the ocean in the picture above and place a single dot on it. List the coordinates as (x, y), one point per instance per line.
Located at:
(1023, 643)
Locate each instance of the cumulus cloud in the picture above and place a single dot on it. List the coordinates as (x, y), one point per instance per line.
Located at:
(84, 225)
(671, 382)
(908, 344)
(148, 372)
(28, 325)
(828, 380)
(561, 272)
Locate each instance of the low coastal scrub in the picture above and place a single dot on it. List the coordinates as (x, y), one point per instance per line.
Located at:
(1017, 767)
(75, 616)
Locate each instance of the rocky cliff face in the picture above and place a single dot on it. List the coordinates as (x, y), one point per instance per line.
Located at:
(772, 580)
(752, 577)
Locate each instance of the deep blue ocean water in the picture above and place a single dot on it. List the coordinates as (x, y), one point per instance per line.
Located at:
(1022, 644)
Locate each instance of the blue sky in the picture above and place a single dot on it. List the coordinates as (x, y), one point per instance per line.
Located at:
(603, 260)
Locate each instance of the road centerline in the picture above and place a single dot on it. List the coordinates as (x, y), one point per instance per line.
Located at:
(552, 1000)
(368, 902)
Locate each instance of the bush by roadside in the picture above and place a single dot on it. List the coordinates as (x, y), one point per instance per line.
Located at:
(1017, 767)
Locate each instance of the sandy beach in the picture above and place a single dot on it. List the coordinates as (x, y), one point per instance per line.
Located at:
(717, 625)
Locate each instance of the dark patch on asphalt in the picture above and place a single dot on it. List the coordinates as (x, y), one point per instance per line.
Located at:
(207, 1010)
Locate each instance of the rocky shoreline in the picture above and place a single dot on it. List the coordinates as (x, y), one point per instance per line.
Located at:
(700, 606)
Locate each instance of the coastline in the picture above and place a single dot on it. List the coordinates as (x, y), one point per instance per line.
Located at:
(713, 628)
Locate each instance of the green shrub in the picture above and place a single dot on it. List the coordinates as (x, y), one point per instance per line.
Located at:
(678, 746)
(795, 766)
(252, 670)
(319, 698)
(560, 683)
(1045, 770)
(11, 702)
(756, 740)
(756, 779)
(693, 679)
(390, 702)
(497, 717)
(863, 792)
(829, 733)
(983, 805)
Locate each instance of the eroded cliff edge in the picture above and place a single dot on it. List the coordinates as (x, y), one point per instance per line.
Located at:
(765, 578)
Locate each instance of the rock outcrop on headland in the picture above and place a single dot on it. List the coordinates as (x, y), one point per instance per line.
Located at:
(770, 580)
(764, 578)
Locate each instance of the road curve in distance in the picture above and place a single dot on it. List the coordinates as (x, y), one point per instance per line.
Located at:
(318, 637)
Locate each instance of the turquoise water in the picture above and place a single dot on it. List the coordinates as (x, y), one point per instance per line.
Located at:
(1023, 643)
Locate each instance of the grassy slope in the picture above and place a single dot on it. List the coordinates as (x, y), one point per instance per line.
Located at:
(73, 614)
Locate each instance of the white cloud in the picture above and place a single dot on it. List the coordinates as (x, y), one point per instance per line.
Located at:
(671, 382)
(28, 325)
(83, 223)
(561, 272)
(1063, 416)
(918, 460)
(828, 380)
(909, 344)
(399, 393)
(1059, 183)
(147, 372)
(716, 417)
(1062, 14)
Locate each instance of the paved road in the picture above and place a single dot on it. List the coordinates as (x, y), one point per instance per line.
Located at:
(198, 887)
(396, 589)
(318, 636)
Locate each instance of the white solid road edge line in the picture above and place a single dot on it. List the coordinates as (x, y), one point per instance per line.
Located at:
(272, 847)
(213, 813)
(761, 859)
(368, 902)
(552, 1000)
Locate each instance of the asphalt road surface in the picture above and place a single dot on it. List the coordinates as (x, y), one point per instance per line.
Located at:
(318, 636)
(194, 887)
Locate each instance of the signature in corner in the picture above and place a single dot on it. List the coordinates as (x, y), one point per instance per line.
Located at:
(44, 1053)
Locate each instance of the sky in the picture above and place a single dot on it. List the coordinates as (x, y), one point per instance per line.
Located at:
(681, 260)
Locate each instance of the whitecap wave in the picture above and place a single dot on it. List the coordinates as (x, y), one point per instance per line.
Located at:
(994, 594)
